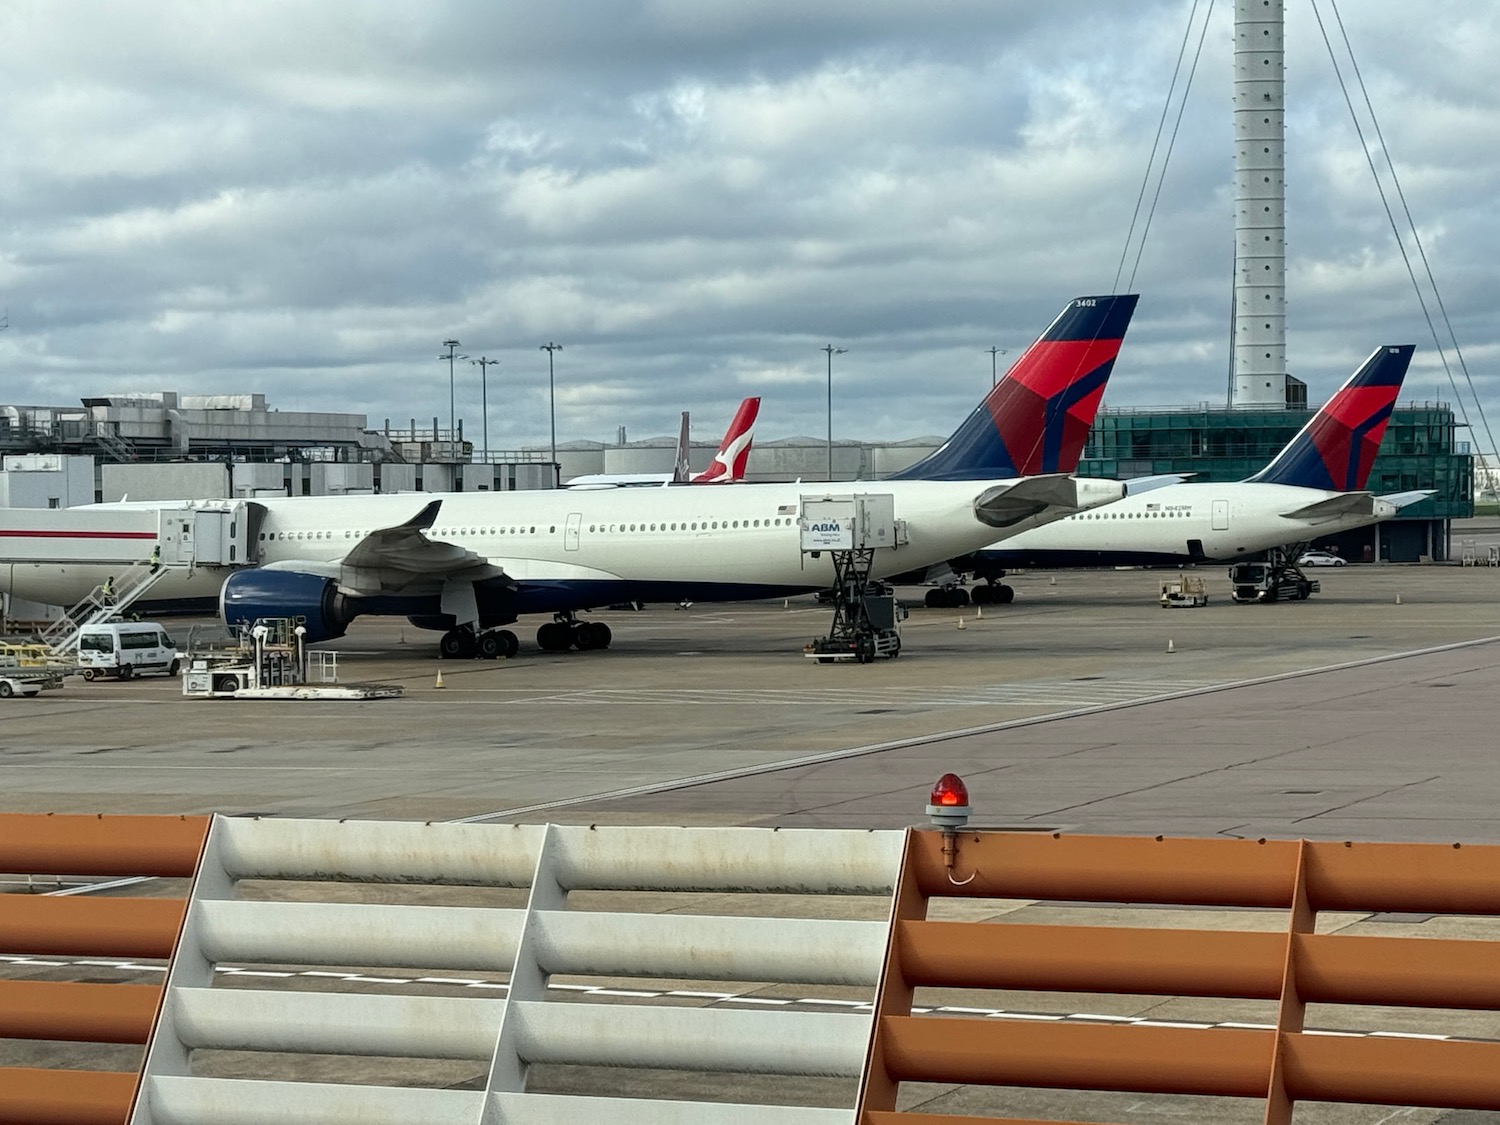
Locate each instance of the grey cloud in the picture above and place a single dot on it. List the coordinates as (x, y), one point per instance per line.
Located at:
(692, 196)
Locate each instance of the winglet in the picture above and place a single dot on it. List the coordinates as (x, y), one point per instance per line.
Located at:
(425, 518)
(1336, 449)
(734, 451)
(1036, 419)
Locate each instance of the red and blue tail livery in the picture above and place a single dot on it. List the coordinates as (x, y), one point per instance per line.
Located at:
(1037, 417)
(1336, 449)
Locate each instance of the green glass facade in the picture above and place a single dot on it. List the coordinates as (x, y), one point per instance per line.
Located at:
(1420, 450)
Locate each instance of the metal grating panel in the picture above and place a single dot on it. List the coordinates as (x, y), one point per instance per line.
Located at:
(453, 969)
(36, 927)
(1279, 1066)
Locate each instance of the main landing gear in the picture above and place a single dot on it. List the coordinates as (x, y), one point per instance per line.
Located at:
(566, 632)
(464, 643)
(956, 597)
(993, 593)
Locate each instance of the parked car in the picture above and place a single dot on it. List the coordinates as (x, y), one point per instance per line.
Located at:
(1321, 558)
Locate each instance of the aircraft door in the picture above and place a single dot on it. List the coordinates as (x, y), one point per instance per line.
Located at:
(570, 531)
(1221, 515)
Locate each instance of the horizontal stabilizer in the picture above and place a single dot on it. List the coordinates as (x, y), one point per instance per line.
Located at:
(1008, 504)
(1406, 499)
(1136, 485)
(1335, 507)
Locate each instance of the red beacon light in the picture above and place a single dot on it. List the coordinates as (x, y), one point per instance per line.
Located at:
(948, 806)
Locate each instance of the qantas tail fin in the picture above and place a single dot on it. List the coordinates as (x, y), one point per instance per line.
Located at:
(1036, 419)
(734, 450)
(1336, 449)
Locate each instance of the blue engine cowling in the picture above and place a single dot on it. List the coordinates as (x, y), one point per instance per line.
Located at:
(311, 599)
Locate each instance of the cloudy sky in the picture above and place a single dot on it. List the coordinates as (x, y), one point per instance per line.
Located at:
(693, 197)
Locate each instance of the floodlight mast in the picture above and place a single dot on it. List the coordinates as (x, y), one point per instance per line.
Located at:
(450, 356)
(831, 351)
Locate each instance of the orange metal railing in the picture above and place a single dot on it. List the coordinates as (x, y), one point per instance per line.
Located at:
(1294, 968)
(33, 925)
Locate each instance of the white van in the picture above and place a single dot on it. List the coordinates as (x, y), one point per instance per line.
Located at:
(126, 648)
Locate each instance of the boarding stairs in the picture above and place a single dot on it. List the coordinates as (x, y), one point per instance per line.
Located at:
(101, 606)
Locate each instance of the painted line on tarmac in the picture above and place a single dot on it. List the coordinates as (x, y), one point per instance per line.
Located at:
(826, 757)
(714, 997)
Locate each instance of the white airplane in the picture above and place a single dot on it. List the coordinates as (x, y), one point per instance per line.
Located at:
(1313, 487)
(728, 465)
(470, 564)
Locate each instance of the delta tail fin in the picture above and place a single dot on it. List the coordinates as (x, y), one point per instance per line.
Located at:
(1036, 419)
(1336, 449)
(734, 451)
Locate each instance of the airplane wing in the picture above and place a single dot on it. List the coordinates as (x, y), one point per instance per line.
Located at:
(393, 559)
(1335, 507)
(1008, 504)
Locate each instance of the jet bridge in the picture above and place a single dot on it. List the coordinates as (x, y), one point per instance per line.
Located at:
(866, 616)
(210, 533)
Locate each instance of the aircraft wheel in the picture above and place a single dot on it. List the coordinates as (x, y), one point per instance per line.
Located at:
(983, 595)
(489, 646)
(933, 599)
(555, 636)
(456, 644)
(509, 645)
(603, 635)
(583, 636)
(1004, 595)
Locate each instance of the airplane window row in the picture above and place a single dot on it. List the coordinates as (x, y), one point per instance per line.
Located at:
(450, 532)
(1129, 515)
(699, 525)
(311, 535)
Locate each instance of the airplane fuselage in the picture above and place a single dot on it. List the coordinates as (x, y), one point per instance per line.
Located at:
(1180, 523)
(551, 550)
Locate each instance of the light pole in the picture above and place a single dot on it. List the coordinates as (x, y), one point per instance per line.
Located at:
(452, 346)
(484, 399)
(832, 351)
(549, 348)
(994, 371)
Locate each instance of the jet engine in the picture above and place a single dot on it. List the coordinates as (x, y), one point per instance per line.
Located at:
(311, 599)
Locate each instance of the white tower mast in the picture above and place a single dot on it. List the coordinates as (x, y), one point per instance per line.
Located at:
(1260, 206)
